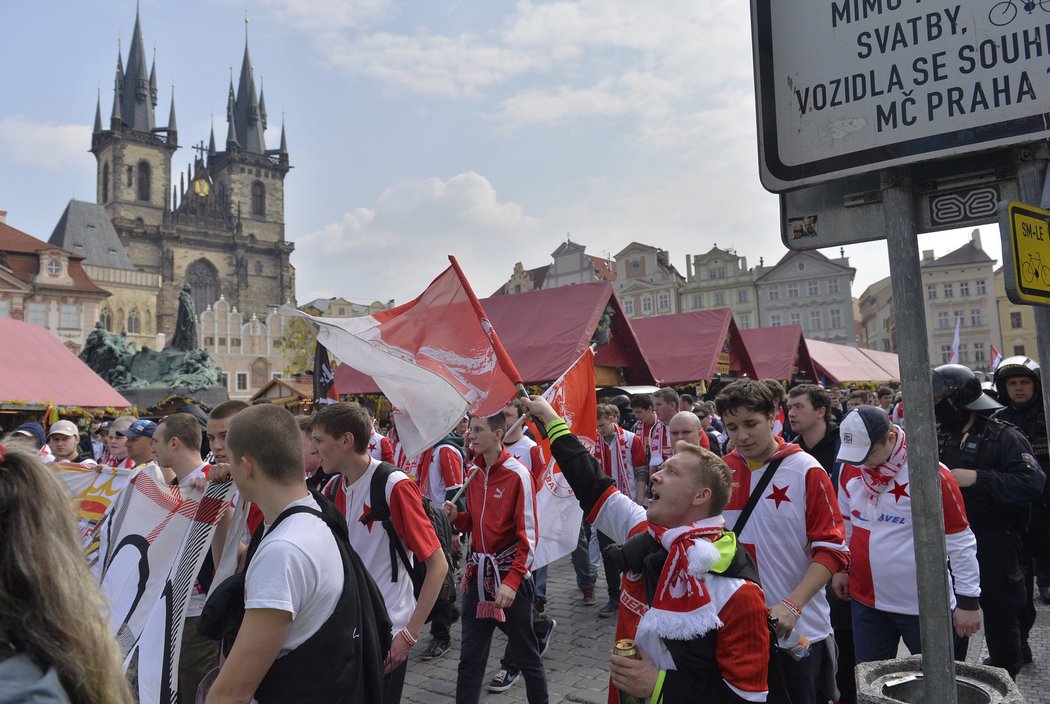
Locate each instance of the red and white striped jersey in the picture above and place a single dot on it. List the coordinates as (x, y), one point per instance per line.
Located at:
(381, 448)
(881, 526)
(796, 522)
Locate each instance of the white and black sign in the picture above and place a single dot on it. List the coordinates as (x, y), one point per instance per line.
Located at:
(850, 86)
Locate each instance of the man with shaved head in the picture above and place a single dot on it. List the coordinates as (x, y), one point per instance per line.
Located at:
(685, 425)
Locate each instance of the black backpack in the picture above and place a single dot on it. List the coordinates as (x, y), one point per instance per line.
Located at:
(417, 570)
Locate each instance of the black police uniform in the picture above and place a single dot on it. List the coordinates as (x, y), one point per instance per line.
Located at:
(1008, 478)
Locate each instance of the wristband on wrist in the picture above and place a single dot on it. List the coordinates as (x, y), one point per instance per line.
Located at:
(792, 606)
(407, 636)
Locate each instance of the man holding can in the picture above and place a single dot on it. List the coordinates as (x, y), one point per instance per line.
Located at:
(690, 598)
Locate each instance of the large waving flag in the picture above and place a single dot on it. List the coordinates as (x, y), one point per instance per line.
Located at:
(954, 358)
(324, 380)
(997, 358)
(94, 489)
(558, 513)
(435, 358)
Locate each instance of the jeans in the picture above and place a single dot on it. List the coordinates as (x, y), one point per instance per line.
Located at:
(441, 618)
(394, 683)
(612, 574)
(876, 633)
(199, 655)
(521, 643)
(539, 580)
(585, 558)
(803, 677)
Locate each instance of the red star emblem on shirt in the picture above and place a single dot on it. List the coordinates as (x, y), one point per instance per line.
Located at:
(366, 518)
(779, 494)
(372, 446)
(899, 491)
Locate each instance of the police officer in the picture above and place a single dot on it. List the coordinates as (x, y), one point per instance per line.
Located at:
(993, 464)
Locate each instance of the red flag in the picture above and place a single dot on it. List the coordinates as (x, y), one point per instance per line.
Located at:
(558, 512)
(435, 358)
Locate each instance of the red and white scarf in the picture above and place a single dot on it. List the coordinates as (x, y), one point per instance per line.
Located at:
(682, 607)
(876, 480)
(624, 478)
(660, 441)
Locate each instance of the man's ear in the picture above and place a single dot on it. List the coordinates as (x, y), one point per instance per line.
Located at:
(248, 466)
(702, 496)
(348, 441)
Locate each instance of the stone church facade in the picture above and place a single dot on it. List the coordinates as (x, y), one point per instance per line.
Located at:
(218, 227)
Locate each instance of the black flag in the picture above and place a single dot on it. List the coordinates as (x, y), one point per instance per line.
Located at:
(324, 380)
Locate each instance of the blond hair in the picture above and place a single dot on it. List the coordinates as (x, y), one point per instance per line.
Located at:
(711, 472)
(50, 604)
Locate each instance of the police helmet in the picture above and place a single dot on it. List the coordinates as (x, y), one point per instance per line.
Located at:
(1016, 366)
(957, 390)
(622, 401)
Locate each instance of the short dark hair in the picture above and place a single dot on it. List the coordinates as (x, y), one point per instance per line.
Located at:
(642, 401)
(497, 422)
(305, 423)
(518, 404)
(687, 398)
(337, 419)
(227, 409)
(884, 391)
(861, 395)
(607, 410)
(753, 396)
(667, 395)
(183, 426)
(818, 396)
(270, 435)
(777, 389)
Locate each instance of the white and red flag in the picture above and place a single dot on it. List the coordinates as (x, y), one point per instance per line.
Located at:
(954, 358)
(558, 513)
(436, 358)
(997, 358)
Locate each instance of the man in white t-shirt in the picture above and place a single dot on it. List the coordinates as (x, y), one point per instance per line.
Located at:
(304, 635)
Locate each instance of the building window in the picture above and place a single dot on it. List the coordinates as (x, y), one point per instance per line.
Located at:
(38, 314)
(698, 301)
(964, 288)
(774, 321)
(981, 290)
(647, 304)
(741, 295)
(948, 292)
(745, 322)
(342, 311)
(978, 352)
(964, 353)
(931, 292)
(975, 317)
(242, 381)
(717, 272)
(946, 353)
(795, 319)
(277, 375)
(144, 181)
(5, 309)
(813, 288)
(130, 172)
(792, 290)
(836, 318)
(70, 316)
(635, 267)
(1015, 321)
(720, 299)
(203, 278)
(885, 345)
(774, 293)
(663, 299)
(628, 306)
(106, 318)
(258, 199)
(235, 342)
(1018, 349)
(959, 319)
(833, 285)
(942, 320)
(134, 322)
(816, 321)
(105, 182)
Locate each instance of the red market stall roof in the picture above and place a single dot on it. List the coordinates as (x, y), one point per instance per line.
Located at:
(841, 363)
(544, 332)
(689, 347)
(779, 352)
(886, 360)
(39, 370)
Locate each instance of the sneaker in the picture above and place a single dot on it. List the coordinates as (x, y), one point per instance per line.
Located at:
(540, 604)
(588, 596)
(503, 681)
(545, 639)
(1044, 594)
(609, 609)
(436, 649)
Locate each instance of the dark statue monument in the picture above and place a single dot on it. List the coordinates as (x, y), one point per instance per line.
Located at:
(181, 365)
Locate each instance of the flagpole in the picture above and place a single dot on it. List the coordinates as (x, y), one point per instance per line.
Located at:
(459, 494)
(501, 354)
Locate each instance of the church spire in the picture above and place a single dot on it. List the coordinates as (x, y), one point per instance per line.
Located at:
(173, 130)
(249, 127)
(211, 139)
(98, 114)
(262, 104)
(115, 119)
(139, 88)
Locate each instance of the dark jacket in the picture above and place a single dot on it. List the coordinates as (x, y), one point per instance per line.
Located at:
(826, 451)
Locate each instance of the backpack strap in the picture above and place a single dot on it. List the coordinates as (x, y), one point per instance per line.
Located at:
(381, 512)
(752, 501)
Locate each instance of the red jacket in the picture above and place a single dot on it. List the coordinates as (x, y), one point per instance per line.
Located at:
(501, 510)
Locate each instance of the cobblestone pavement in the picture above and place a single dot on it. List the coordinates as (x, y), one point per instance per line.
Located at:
(577, 660)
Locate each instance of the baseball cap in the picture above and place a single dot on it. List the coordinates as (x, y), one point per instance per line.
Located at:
(64, 427)
(139, 429)
(120, 425)
(860, 429)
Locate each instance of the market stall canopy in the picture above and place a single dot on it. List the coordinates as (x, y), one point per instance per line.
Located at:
(284, 392)
(839, 364)
(779, 352)
(690, 347)
(545, 331)
(39, 370)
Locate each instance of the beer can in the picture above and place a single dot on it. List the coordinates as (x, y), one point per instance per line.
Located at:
(627, 648)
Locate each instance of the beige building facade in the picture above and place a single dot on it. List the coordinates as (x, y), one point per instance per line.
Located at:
(877, 327)
(1016, 323)
(245, 347)
(646, 281)
(808, 289)
(721, 278)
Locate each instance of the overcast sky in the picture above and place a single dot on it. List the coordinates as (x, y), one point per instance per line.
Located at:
(487, 129)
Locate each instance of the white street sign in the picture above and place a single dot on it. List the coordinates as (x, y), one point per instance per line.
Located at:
(851, 86)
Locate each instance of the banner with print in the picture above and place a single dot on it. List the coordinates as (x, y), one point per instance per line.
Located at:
(151, 549)
(94, 489)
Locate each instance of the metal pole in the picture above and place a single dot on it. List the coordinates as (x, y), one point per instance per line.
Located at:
(1033, 187)
(938, 664)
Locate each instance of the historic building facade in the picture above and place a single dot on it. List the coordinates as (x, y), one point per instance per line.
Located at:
(646, 281)
(808, 289)
(720, 279)
(220, 226)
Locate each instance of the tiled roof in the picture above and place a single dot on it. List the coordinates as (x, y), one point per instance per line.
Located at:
(21, 254)
(969, 253)
(85, 229)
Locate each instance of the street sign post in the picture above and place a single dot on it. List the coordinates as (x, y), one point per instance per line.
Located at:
(1025, 232)
(853, 86)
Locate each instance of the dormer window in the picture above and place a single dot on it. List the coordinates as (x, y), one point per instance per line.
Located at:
(54, 268)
